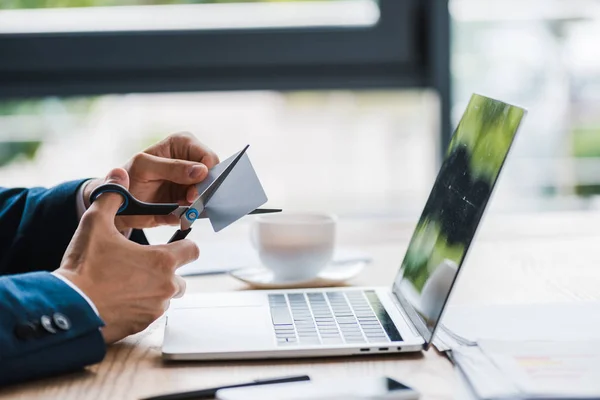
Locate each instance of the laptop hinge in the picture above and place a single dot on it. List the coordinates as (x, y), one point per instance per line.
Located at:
(398, 305)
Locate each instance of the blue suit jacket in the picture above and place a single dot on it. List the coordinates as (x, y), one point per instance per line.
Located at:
(46, 327)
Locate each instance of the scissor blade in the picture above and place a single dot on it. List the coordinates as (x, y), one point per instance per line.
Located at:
(265, 211)
(179, 211)
(204, 214)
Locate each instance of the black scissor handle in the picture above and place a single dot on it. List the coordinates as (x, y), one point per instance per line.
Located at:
(179, 235)
(131, 205)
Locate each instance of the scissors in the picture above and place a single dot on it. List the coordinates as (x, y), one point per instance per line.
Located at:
(186, 214)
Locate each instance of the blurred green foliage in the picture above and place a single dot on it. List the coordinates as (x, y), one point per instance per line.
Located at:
(585, 143)
(8, 4)
(428, 248)
(417, 255)
(473, 162)
(19, 107)
(487, 129)
(11, 150)
(36, 108)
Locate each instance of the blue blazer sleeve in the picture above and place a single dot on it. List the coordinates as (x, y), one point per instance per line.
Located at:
(46, 328)
(36, 225)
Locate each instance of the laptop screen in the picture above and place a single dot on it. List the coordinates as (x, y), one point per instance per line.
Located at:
(452, 213)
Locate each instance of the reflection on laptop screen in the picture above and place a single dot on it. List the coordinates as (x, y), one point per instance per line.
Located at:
(454, 208)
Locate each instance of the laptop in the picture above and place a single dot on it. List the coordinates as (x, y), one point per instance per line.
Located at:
(363, 320)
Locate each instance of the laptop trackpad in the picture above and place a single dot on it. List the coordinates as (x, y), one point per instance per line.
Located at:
(228, 299)
(211, 330)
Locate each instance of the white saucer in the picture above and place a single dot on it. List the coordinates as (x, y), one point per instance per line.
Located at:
(334, 274)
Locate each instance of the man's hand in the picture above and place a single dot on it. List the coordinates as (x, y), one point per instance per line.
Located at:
(130, 284)
(164, 173)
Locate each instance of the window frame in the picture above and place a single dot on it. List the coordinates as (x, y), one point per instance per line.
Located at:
(407, 48)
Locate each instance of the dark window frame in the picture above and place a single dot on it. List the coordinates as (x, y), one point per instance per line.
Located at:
(407, 48)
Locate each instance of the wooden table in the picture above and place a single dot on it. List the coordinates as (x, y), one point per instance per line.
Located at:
(515, 259)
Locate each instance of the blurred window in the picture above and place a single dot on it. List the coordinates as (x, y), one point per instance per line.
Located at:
(540, 54)
(349, 96)
(42, 16)
(80, 47)
(349, 152)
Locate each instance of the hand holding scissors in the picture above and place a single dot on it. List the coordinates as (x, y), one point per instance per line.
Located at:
(186, 214)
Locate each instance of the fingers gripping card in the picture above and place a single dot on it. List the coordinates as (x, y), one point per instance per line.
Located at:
(239, 193)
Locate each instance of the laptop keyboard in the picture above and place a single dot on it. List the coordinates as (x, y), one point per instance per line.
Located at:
(340, 317)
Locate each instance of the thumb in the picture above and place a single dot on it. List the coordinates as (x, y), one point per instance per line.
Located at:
(109, 203)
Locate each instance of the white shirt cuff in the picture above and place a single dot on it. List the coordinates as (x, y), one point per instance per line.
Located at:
(75, 288)
(79, 203)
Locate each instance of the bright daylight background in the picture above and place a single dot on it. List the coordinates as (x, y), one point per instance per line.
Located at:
(356, 153)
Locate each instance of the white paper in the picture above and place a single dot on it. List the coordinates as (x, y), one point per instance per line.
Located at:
(463, 390)
(239, 194)
(498, 369)
(549, 368)
(482, 376)
(552, 321)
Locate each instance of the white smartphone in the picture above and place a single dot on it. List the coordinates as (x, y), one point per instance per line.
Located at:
(367, 388)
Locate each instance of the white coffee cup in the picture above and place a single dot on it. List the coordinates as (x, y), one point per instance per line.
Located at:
(294, 246)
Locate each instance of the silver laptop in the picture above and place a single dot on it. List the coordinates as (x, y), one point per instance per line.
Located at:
(363, 320)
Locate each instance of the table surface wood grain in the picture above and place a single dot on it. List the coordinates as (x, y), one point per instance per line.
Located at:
(518, 258)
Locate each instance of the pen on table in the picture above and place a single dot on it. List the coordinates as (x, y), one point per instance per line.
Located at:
(208, 272)
(211, 392)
